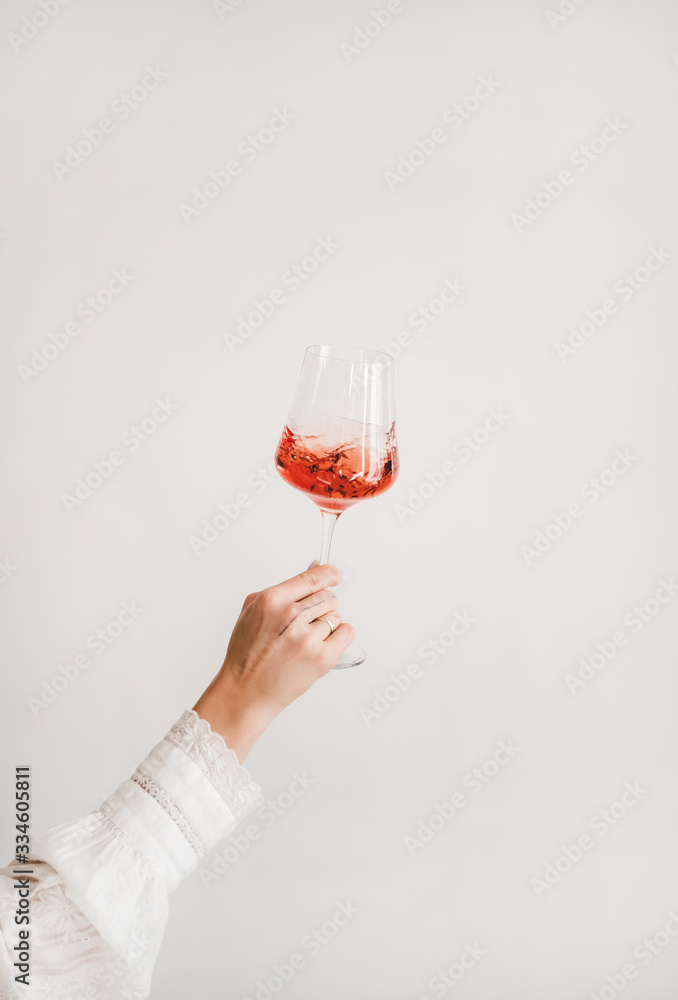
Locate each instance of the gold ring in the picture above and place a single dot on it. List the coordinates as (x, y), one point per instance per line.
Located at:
(328, 622)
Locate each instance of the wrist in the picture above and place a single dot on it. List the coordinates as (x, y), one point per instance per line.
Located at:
(238, 720)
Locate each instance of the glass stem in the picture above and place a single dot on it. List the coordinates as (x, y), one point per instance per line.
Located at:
(329, 521)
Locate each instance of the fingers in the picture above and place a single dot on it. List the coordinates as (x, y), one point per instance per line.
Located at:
(303, 613)
(316, 605)
(329, 623)
(309, 582)
(338, 642)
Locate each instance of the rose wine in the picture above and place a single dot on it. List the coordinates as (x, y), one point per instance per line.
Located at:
(336, 477)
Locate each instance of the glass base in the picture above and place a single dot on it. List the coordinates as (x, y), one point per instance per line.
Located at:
(351, 657)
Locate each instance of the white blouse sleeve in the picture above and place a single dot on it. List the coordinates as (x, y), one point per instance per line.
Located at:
(98, 892)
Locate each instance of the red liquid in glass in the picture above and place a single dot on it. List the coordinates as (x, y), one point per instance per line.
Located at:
(336, 478)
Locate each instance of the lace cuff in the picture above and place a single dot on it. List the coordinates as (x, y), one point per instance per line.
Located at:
(194, 736)
(184, 798)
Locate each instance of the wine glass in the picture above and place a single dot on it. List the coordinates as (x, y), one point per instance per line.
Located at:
(339, 444)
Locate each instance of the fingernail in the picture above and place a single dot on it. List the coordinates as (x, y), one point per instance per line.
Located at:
(314, 563)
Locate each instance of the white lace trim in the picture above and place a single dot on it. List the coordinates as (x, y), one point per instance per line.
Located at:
(217, 762)
(173, 811)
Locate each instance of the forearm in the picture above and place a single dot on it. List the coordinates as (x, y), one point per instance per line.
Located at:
(231, 714)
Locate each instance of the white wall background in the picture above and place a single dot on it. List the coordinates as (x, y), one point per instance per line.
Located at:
(163, 336)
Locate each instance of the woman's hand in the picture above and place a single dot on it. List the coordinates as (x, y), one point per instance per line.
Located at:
(280, 646)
